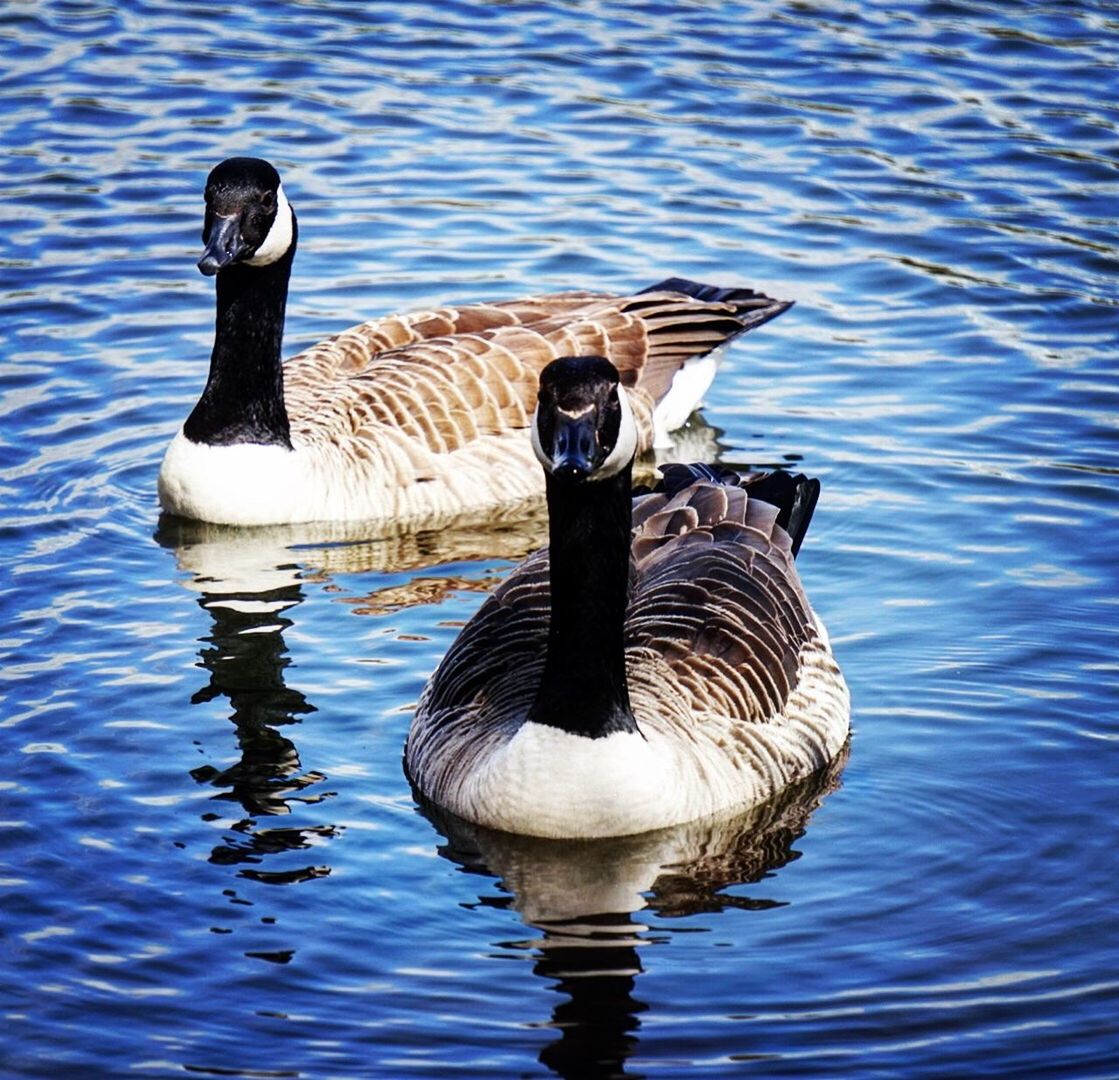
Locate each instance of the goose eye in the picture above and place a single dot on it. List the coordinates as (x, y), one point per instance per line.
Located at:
(268, 200)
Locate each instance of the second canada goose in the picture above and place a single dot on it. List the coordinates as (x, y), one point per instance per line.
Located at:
(407, 419)
(659, 662)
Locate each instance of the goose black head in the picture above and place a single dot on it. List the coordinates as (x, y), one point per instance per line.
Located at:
(248, 218)
(583, 428)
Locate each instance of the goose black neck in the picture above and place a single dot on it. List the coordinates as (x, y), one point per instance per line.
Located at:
(583, 688)
(244, 397)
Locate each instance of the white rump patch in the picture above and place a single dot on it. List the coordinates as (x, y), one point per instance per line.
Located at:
(278, 240)
(684, 396)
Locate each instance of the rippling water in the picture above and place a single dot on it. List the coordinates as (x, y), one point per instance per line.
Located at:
(211, 859)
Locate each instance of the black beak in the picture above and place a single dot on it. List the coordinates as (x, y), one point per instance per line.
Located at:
(573, 446)
(224, 244)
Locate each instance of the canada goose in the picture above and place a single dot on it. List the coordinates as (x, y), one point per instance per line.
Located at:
(409, 418)
(659, 662)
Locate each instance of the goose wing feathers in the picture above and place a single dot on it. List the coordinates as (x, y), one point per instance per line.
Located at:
(448, 375)
(717, 610)
(494, 666)
(716, 623)
(486, 682)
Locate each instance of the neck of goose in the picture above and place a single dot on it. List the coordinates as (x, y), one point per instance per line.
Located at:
(583, 688)
(244, 397)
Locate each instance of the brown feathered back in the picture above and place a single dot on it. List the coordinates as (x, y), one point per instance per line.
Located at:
(716, 621)
(448, 375)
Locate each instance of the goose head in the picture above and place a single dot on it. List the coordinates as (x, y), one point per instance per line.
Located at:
(583, 429)
(248, 219)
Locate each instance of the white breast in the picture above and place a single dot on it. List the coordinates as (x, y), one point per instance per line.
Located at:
(386, 480)
(242, 484)
(548, 782)
(681, 766)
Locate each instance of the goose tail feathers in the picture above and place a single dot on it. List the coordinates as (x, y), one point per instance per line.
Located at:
(794, 495)
(751, 308)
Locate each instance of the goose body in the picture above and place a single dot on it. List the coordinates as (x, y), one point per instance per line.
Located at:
(408, 419)
(658, 663)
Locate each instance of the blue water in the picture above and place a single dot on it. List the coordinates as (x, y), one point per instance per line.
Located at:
(211, 860)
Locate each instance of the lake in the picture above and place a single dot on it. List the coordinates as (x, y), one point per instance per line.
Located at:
(211, 862)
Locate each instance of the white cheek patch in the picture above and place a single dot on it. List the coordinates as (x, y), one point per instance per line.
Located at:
(625, 447)
(537, 449)
(278, 240)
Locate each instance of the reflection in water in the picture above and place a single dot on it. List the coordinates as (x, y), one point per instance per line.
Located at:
(246, 657)
(223, 559)
(248, 585)
(583, 895)
(249, 581)
(594, 965)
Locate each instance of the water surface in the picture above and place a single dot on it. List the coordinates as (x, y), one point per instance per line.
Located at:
(211, 861)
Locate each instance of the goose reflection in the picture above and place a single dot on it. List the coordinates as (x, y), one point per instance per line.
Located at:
(583, 896)
(249, 582)
(224, 558)
(249, 586)
(246, 658)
